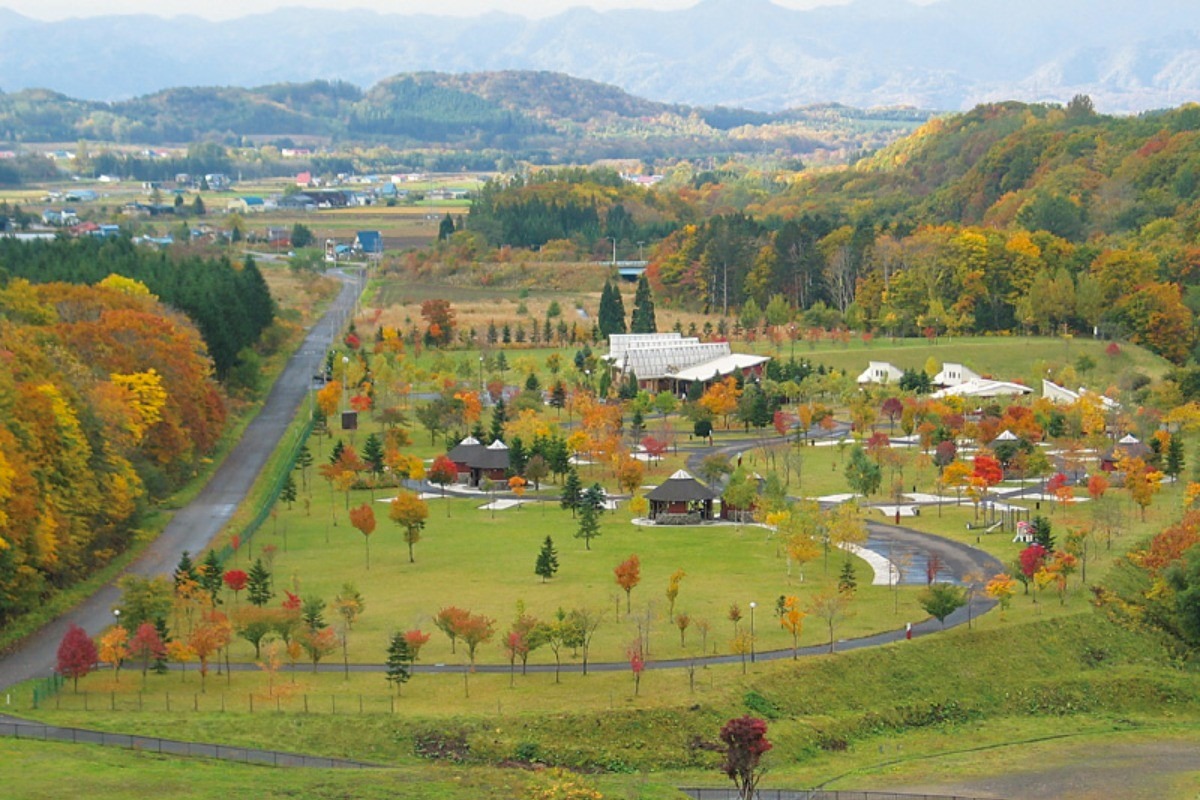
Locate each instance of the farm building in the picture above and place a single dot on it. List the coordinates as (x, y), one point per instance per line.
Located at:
(681, 500)
(954, 374)
(669, 362)
(982, 389)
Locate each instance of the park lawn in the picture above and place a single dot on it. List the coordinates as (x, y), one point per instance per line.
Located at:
(34, 770)
(483, 561)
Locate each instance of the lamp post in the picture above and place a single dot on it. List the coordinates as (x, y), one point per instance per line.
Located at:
(613, 239)
(116, 616)
(753, 605)
(482, 388)
(345, 378)
(639, 244)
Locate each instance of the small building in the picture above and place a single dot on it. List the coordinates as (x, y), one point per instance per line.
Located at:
(369, 243)
(982, 389)
(246, 205)
(463, 455)
(681, 500)
(953, 375)
(880, 372)
(473, 462)
(668, 362)
(1061, 395)
(1129, 446)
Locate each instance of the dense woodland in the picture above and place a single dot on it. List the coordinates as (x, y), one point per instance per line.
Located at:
(1009, 219)
(231, 305)
(107, 402)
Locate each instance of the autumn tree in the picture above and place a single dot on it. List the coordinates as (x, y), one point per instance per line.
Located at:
(439, 319)
(409, 511)
(832, 608)
(212, 633)
(673, 584)
(443, 472)
(146, 645)
(628, 574)
(792, 621)
(637, 663)
(114, 648)
(77, 655)
(474, 630)
(363, 519)
(450, 621)
(745, 741)
(1001, 588)
(235, 580)
(721, 399)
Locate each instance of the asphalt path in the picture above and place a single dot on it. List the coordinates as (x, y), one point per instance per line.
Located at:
(195, 525)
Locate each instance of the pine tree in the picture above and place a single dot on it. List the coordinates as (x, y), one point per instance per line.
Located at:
(304, 460)
(372, 454)
(1041, 529)
(335, 454)
(558, 395)
(211, 577)
(643, 320)
(589, 525)
(164, 636)
(288, 493)
(446, 228)
(1175, 456)
(186, 569)
(611, 318)
(499, 417)
(399, 661)
(258, 584)
(572, 491)
(547, 561)
(847, 581)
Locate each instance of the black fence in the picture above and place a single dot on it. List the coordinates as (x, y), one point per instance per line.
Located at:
(814, 794)
(152, 744)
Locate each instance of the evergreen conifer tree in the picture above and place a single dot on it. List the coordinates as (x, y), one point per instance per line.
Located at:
(372, 453)
(547, 561)
(186, 569)
(643, 320)
(258, 584)
(499, 417)
(399, 661)
(572, 491)
(589, 525)
(288, 493)
(211, 577)
(164, 636)
(611, 318)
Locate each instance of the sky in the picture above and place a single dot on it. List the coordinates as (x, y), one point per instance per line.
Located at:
(227, 9)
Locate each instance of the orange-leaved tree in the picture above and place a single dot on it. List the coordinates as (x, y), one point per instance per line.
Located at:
(363, 518)
(409, 511)
(628, 574)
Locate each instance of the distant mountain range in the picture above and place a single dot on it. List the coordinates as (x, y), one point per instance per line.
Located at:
(1129, 56)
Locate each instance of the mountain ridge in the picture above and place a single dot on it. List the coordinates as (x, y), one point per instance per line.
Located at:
(946, 55)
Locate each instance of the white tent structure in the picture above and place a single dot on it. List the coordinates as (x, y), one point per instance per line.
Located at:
(880, 372)
(982, 389)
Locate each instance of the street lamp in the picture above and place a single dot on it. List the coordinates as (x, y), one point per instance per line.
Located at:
(345, 378)
(482, 388)
(753, 605)
(639, 244)
(613, 239)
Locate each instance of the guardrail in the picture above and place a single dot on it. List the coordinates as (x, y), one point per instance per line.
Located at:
(814, 794)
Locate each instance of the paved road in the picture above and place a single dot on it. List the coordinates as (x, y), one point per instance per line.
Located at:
(194, 526)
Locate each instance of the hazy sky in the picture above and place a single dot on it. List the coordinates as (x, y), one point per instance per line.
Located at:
(225, 9)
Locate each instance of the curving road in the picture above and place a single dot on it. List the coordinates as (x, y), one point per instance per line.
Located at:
(195, 525)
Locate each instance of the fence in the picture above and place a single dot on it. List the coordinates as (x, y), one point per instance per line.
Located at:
(153, 744)
(44, 688)
(220, 700)
(814, 794)
(284, 469)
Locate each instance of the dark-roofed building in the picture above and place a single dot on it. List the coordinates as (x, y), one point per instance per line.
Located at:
(474, 462)
(1128, 447)
(369, 243)
(681, 500)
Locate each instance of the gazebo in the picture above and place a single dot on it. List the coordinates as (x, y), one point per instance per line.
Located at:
(681, 500)
(1128, 447)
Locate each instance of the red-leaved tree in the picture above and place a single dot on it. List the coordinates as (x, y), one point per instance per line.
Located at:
(442, 471)
(236, 580)
(745, 741)
(415, 640)
(77, 654)
(147, 645)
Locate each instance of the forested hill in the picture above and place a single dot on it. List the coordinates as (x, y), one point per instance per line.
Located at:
(1006, 219)
(548, 114)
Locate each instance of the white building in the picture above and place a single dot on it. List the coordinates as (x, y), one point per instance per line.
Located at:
(954, 374)
(881, 372)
